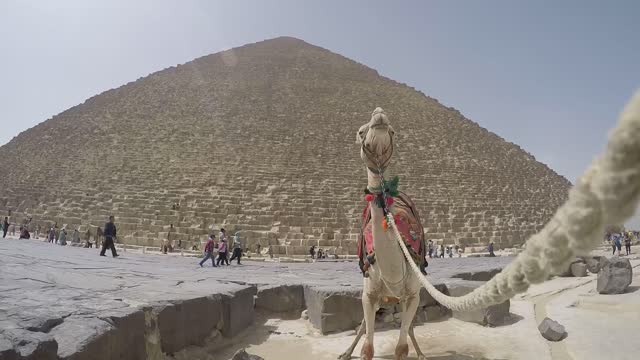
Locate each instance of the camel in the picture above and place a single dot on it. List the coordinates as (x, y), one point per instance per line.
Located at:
(608, 193)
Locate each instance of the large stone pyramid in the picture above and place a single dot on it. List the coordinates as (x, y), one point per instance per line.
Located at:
(261, 139)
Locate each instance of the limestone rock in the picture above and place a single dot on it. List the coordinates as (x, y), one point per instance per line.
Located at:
(593, 264)
(615, 276)
(304, 315)
(238, 311)
(27, 345)
(333, 309)
(552, 330)
(578, 269)
(243, 355)
(280, 298)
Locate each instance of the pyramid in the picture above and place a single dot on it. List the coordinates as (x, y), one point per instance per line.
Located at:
(261, 139)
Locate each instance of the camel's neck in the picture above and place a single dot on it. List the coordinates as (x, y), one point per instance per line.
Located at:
(389, 257)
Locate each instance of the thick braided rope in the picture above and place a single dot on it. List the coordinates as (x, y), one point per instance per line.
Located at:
(607, 193)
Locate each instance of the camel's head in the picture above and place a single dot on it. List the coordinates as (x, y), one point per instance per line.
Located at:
(376, 140)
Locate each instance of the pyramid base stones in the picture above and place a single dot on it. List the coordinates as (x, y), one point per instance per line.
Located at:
(578, 269)
(332, 309)
(615, 275)
(280, 298)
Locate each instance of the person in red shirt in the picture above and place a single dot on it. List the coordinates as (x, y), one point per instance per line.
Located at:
(208, 251)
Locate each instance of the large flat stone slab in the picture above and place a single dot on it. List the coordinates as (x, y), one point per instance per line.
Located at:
(51, 291)
(332, 308)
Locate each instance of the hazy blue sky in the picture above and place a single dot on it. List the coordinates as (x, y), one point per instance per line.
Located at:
(551, 76)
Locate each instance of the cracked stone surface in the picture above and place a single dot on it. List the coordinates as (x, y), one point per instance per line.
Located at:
(78, 298)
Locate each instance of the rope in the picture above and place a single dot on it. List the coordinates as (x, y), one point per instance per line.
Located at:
(608, 193)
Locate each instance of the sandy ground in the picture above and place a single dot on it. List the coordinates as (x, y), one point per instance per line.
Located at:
(599, 327)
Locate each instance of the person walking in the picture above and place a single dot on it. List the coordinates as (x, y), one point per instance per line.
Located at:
(109, 236)
(222, 252)
(237, 248)
(208, 251)
(617, 243)
(490, 248)
(430, 249)
(5, 227)
(75, 238)
(627, 244)
(62, 239)
(52, 235)
(442, 251)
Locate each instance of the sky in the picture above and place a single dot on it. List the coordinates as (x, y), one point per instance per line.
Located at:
(550, 76)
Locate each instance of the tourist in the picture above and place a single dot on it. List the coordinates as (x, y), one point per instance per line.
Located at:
(37, 232)
(312, 251)
(99, 234)
(617, 244)
(430, 248)
(109, 237)
(13, 230)
(442, 251)
(5, 227)
(222, 251)
(52, 235)
(75, 238)
(208, 251)
(24, 233)
(490, 248)
(62, 238)
(167, 243)
(237, 248)
(87, 239)
(627, 244)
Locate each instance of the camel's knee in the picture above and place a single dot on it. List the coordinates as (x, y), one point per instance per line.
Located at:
(367, 350)
(402, 351)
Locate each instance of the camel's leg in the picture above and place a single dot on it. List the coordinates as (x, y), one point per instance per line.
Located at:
(347, 354)
(409, 308)
(369, 309)
(412, 336)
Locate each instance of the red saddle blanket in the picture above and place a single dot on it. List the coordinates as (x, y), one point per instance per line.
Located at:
(409, 225)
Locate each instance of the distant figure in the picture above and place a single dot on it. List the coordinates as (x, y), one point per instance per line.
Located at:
(312, 251)
(52, 235)
(62, 238)
(37, 232)
(442, 251)
(430, 248)
(167, 243)
(5, 227)
(319, 254)
(617, 242)
(109, 237)
(208, 251)
(490, 248)
(24, 233)
(13, 230)
(75, 238)
(99, 235)
(627, 245)
(87, 239)
(222, 252)
(237, 248)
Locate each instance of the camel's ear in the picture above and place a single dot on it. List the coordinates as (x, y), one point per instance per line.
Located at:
(360, 133)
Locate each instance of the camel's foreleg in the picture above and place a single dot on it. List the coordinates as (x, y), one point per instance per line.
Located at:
(369, 304)
(409, 307)
(361, 330)
(412, 336)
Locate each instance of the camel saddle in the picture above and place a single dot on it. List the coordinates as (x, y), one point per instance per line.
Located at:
(409, 225)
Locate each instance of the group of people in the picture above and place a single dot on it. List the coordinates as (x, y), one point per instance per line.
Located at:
(623, 237)
(222, 249)
(317, 254)
(441, 251)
